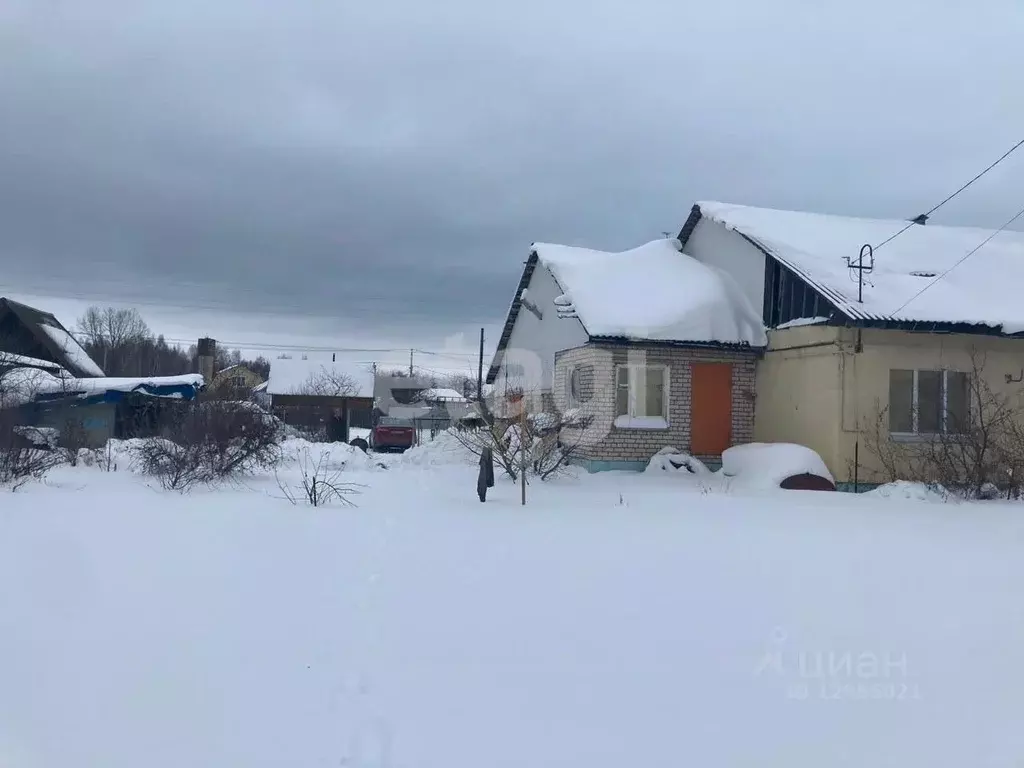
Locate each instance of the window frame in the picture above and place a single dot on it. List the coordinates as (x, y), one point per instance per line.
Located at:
(915, 411)
(574, 375)
(633, 389)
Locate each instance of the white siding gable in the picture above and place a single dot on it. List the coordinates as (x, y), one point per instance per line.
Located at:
(530, 354)
(713, 244)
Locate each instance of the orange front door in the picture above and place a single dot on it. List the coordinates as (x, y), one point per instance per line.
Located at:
(710, 408)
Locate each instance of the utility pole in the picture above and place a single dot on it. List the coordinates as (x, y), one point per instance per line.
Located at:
(410, 362)
(480, 370)
(522, 447)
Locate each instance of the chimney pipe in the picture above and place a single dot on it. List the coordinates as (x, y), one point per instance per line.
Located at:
(207, 353)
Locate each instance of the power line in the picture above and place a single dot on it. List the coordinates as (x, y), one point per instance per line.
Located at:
(459, 355)
(294, 347)
(964, 258)
(924, 216)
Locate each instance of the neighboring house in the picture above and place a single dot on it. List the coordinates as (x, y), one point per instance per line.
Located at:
(451, 402)
(97, 408)
(444, 407)
(895, 351)
(390, 391)
(655, 347)
(35, 334)
(236, 379)
(322, 396)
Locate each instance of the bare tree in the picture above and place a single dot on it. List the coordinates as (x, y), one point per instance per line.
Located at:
(463, 383)
(113, 327)
(545, 443)
(328, 382)
(122, 343)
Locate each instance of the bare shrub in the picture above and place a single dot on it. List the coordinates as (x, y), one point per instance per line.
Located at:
(977, 456)
(102, 458)
(897, 460)
(73, 438)
(177, 467)
(212, 441)
(26, 452)
(321, 483)
(23, 457)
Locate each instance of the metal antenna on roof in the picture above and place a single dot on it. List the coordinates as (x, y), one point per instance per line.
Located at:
(862, 268)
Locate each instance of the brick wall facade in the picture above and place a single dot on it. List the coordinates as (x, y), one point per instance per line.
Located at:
(603, 441)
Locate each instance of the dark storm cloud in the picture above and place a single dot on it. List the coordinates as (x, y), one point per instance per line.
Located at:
(395, 160)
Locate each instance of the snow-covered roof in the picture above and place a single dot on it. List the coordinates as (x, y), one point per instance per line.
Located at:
(52, 336)
(95, 386)
(409, 411)
(442, 393)
(9, 360)
(77, 357)
(654, 292)
(320, 376)
(22, 385)
(983, 290)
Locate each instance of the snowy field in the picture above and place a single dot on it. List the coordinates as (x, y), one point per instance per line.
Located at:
(617, 620)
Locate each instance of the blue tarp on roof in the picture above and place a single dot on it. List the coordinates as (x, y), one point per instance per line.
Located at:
(170, 391)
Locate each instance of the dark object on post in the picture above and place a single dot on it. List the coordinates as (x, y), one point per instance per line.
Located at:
(359, 443)
(485, 479)
(807, 482)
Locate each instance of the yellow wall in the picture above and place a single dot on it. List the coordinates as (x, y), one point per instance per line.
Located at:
(223, 379)
(815, 388)
(798, 397)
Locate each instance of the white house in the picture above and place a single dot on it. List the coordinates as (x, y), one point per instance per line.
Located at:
(655, 346)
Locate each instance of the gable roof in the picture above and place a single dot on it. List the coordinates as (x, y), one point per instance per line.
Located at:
(443, 394)
(291, 376)
(652, 293)
(511, 316)
(980, 292)
(52, 337)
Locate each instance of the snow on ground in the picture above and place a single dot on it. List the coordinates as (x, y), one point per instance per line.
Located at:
(617, 620)
(903, 489)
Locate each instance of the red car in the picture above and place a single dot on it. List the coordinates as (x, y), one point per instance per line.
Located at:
(392, 434)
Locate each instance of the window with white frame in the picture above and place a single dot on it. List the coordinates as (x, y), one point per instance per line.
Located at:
(577, 383)
(928, 402)
(641, 396)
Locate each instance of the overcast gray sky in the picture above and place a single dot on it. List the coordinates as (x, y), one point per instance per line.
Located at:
(387, 164)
